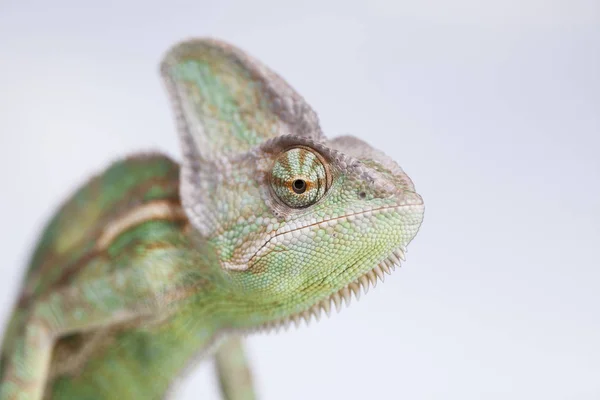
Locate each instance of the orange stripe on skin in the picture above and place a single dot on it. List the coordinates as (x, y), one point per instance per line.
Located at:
(156, 210)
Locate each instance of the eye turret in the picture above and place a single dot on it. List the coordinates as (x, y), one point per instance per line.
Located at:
(299, 177)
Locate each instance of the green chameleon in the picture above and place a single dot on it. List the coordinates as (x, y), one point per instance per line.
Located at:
(153, 266)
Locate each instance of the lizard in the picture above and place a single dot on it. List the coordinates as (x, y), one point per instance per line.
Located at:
(155, 265)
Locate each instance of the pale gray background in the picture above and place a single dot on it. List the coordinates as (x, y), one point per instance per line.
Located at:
(491, 107)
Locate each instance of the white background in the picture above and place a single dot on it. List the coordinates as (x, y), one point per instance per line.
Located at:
(493, 108)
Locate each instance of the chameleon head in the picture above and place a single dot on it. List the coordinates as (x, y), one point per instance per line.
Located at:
(339, 217)
(298, 222)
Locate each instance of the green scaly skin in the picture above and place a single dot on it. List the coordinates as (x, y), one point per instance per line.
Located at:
(152, 265)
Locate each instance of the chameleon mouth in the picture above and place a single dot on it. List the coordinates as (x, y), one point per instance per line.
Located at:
(343, 295)
(359, 214)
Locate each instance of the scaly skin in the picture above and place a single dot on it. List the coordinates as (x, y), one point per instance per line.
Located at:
(152, 265)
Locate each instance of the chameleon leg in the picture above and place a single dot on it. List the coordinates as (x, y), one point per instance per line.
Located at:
(234, 373)
(88, 305)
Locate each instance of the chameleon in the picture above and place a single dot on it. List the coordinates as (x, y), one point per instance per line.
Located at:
(155, 265)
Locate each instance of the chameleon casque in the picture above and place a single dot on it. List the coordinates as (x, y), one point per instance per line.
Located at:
(152, 266)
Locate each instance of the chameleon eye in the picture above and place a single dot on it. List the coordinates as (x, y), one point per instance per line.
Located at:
(299, 177)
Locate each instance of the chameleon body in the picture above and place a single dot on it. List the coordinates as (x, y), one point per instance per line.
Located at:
(154, 265)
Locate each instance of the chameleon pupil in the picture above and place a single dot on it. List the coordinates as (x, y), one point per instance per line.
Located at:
(299, 186)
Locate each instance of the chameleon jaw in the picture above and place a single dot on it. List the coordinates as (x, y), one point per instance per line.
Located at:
(287, 231)
(336, 300)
